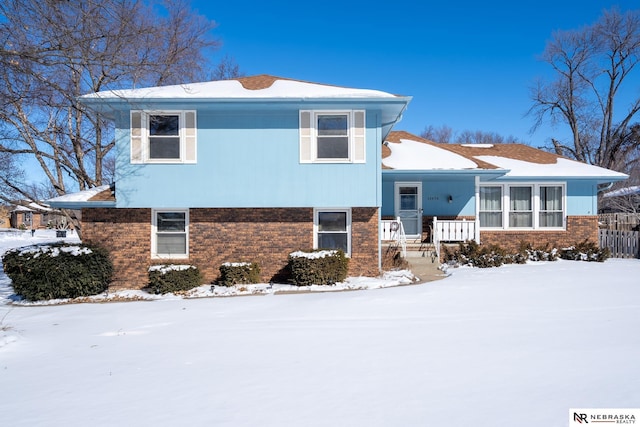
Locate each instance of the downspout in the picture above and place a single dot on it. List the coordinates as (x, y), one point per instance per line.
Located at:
(604, 187)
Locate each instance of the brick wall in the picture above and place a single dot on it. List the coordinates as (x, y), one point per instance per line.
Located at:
(578, 229)
(126, 233)
(265, 236)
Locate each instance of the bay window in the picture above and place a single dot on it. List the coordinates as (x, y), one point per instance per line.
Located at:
(532, 206)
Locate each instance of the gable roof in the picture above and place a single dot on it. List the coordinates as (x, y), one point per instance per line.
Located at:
(262, 86)
(405, 151)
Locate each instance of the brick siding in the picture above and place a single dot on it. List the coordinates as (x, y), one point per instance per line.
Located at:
(578, 229)
(265, 236)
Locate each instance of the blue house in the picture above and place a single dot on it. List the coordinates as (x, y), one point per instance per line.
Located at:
(255, 168)
(249, 169)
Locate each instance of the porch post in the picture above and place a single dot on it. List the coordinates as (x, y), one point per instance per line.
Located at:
(477, 215)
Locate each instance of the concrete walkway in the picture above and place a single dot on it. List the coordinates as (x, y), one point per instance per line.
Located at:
(425, 269)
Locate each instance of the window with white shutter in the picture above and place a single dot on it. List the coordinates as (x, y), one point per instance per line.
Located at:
(332, 136)
(163, 137)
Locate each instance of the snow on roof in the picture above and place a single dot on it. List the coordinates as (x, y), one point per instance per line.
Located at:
(626, 191)
(31, 207)
(562, 168)
(415, 155)
(244, 88)
(80, 196)
(409, 152)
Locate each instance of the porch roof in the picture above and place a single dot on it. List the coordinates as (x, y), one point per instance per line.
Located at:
(97, 197)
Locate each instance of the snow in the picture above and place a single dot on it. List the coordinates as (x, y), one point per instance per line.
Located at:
(80, 196)
(563, 168)
(626, 191)
(234, 89)
(515, 345)
(414, 155)
(164, 269)
(312, 255)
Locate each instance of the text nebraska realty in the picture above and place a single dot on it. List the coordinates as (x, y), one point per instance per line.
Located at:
(604, 418)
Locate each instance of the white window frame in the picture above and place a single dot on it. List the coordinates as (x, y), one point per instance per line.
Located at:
(317, 211)
(356, 136)
(506, 205)
(154, 234)
(182, 134)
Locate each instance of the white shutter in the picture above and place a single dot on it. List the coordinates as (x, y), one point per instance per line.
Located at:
(190, 131)
(359, 129)
(305, 136)
(136, 136)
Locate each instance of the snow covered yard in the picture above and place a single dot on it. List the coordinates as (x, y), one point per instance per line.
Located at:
(516, 345)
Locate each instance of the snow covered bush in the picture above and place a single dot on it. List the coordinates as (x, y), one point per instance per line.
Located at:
(164, 279)
(540, 253)
(318, 267)
(483, 256)
(585, 251)
(233, 273)
(58, 271)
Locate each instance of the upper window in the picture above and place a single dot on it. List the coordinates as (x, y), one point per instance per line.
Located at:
(332, 136)
(333, 229)
(163, 137)
(534, 206)
(170, 238)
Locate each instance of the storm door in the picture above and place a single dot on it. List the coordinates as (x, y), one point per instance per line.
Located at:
(408, 204)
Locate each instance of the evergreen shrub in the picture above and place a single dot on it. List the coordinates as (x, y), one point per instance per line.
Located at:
(325, 267)
(585, 251)
(233, 273)
(169, 278)
(58, 271)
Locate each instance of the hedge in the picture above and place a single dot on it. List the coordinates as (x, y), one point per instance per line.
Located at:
(170, 278)
(325, 267)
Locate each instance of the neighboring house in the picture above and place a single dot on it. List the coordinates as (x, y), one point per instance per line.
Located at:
(29, 216)
(250, 169)
(512, 193)
(5, 216)
(255, 168)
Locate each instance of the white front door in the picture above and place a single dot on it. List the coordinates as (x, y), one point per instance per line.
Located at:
(408, 203)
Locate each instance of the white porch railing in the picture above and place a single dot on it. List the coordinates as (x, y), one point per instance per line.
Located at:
(458, 230)
(392, 230)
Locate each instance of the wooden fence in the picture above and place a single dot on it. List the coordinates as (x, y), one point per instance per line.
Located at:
(622, 244)
(619, 221)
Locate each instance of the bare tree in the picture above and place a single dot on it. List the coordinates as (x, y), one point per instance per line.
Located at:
(592, 66)
(52, 51)
(445, 135)
(442, 134)
(226, 69)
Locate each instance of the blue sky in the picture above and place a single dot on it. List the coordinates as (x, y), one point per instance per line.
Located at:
(467, 64)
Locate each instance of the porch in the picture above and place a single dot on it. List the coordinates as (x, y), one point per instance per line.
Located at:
(393, 235)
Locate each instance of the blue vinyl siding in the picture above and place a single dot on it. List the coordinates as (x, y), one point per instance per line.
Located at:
(249, 159)
(581, 197)
(435, 195)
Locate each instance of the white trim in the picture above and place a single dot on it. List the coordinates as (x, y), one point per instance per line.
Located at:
(535, 186)
(316, 211)
(182, 134)
(154, 231)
